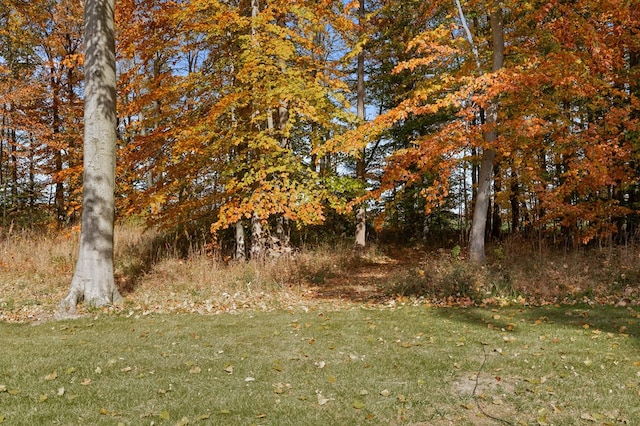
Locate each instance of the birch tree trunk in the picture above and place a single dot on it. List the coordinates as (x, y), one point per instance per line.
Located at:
(481, 209)
(93, 280)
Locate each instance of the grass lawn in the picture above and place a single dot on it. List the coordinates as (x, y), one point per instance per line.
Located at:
(401, 365)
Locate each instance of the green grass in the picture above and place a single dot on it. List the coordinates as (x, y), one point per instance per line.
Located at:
(407, 365)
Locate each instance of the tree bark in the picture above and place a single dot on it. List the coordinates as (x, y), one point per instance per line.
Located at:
(240, 254)
(361, 215)
(478, 225)
(257, 241)
(93, 279)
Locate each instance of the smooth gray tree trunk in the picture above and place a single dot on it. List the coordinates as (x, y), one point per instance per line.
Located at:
(93, 279)
(241, 250)
(361, 214)
(257, 240)
(481, 208)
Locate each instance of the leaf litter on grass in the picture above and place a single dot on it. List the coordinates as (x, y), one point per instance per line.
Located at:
(366, 371)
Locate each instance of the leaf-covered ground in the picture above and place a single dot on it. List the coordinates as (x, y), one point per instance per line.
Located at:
(403, 365)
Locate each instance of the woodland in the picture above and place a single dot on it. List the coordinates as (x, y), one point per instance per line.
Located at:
(253, 128)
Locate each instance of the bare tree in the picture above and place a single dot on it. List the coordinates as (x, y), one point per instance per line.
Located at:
(93, 280)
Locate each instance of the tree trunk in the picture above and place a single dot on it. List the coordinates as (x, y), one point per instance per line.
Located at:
(257, 242)
(478, 225)
(240, 254)
(361, 215)
(55, 112)
(93, 280)
(515, 202)
(496, 216)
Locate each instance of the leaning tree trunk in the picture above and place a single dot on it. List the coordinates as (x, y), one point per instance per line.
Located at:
(93, 280)
(481, 208)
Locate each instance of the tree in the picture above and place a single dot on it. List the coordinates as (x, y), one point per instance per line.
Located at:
(481, 209)
(361, 215)
(93, 280)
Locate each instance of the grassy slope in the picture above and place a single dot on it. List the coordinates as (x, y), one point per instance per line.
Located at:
(410, 364)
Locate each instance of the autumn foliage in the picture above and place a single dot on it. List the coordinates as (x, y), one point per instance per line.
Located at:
(234, 113)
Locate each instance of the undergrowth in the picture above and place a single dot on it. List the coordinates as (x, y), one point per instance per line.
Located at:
(156, 275)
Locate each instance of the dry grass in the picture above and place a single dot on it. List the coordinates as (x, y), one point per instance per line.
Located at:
(36, 269)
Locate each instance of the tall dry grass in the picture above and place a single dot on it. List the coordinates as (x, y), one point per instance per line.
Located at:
(156, 275)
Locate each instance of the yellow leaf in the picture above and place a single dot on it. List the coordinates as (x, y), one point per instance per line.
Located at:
(51, 376)
(43, 397)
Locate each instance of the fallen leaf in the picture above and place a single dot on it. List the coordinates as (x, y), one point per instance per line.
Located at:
(164, 415)
(385, 392)
(322, 400)
(229, 369)
(125, 369)
(3, 388)
(43, 397)
(51, 376)
(358, 405)
(86, 381)
(249, 379)
(196, 370)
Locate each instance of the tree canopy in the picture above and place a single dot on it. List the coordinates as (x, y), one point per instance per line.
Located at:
(233, 113)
